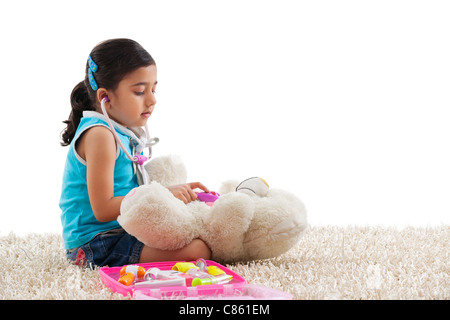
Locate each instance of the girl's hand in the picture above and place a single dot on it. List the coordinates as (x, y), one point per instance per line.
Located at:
(185, 192)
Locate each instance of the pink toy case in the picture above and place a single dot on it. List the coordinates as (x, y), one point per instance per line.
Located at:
(111, 275)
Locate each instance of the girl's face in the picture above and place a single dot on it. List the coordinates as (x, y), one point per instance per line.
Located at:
(132, 103)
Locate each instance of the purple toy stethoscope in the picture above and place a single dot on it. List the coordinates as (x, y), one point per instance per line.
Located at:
(138, 159)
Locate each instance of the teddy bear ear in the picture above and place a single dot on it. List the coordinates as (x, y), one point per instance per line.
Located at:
(228, 186)
(167, 170)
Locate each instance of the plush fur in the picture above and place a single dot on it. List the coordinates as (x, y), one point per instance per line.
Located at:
(240, 226)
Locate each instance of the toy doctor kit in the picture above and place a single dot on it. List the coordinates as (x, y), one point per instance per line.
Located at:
(158, 275)
(201, 279)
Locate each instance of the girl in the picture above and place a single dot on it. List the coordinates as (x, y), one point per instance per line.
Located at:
(109, 107)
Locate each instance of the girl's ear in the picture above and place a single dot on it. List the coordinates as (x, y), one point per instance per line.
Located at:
(101, 93)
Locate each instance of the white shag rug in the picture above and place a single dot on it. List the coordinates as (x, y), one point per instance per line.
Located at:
(329, 263)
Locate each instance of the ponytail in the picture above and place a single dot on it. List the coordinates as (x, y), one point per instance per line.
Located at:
(80, 101)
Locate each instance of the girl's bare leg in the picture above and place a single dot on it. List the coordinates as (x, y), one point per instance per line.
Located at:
(193, 251)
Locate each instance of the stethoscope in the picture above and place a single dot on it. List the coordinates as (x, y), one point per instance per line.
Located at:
(138, 159)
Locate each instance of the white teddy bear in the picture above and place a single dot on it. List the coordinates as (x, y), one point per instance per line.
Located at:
(248, 221)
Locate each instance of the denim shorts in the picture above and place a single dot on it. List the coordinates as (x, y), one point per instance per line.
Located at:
(110, 248)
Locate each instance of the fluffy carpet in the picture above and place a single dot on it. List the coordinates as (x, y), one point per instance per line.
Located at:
(329, 263)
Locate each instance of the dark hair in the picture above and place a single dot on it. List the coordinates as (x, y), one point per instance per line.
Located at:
(115, 59)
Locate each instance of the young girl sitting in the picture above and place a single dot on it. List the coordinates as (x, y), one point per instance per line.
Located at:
(105, 135)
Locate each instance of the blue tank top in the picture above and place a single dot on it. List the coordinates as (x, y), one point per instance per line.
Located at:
(77, 218)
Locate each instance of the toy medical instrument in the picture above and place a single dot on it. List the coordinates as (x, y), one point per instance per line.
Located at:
(201, 264)
(221, 279)
(146, 142)
(208, 196)
(209, 270)
(137, 271)
(196, 273)
(127, 279)
(254, 186)
(157, 278)
(128, 274)
(184, 266)
(214, 271)
(157, 274)
(172, 282)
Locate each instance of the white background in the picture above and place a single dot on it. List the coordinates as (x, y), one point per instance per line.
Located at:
(344, 103)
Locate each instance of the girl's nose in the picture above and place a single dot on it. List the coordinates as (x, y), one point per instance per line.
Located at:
(151, 99)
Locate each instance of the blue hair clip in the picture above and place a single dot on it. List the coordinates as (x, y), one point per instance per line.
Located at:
(92, 80)
(93, 67)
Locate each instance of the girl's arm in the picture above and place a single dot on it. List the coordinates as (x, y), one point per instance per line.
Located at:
(98, 147)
